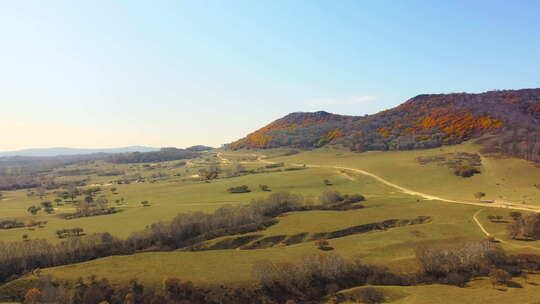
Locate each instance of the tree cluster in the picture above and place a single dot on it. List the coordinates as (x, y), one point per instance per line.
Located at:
(165, 154)
(524, 226)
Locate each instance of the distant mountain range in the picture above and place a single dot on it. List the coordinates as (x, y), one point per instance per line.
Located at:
(511, 117)
(60, 151)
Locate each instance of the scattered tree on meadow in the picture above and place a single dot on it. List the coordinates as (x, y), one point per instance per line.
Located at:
(322, 244)
(264, 188)
(33, 210)
(47, 207)
(479, 195)
(466, 171)
(73, 192)
(515, 215)
(239, 189)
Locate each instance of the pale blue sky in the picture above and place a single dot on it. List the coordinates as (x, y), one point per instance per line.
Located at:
(177, 73)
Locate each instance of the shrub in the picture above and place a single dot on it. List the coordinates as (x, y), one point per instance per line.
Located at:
(466, 171)
(479, 195)
(371, 295)
(239, 189)
(330, 197)
(499, 277)
(276, 165)
(322, 244)
(264, 188)
(353, 198)
(456, 279)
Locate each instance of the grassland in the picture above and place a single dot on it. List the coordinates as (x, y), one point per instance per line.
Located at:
(501, 179)
(477, 291)
(168, 198)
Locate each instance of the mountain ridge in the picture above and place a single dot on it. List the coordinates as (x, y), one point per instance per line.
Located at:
(424, 121)
(62, 151)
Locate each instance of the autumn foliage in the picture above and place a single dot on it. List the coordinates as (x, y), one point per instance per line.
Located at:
(425, 121)
(33, 296)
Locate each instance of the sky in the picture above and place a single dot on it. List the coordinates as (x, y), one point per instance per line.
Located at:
(98, 74)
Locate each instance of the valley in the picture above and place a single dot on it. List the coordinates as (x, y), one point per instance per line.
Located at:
(393, 184)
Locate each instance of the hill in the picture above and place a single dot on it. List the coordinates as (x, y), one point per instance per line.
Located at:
(425, 121)
(199, 148)
(60, 151)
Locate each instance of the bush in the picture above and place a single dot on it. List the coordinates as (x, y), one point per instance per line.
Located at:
(371, 295)
(322, 244)
(353, 198)
(239, 189)
(499, 277)
(331, 197)
(265, 188)
(456, 279)
(276, 165)
(466, 171)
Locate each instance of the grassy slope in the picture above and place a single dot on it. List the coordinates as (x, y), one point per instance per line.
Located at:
(477, 291)
(169, 198)
(507, 179)
(395, 248)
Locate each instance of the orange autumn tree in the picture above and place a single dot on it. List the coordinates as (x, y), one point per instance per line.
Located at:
(33, 296)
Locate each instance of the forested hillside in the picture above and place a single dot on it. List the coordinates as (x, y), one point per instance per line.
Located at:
(425, 121)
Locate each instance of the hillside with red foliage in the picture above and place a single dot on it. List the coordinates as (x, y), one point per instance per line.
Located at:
(425, 121)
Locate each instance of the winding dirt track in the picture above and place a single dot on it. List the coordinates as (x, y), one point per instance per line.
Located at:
(427, 196)
(506, 205)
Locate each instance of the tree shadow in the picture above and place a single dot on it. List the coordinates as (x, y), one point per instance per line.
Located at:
(513, 284)
(327, 248)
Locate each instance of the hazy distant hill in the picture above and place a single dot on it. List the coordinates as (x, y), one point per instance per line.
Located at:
(199, 148)
(46, 152)
(425, 121)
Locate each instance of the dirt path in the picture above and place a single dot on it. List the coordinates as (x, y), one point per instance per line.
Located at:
(496, 204)
(342, 170)
(427, 196)
(480, 224)
(475, 218)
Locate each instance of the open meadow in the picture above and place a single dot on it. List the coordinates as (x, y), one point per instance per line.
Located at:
(229, 259)
(172, 190)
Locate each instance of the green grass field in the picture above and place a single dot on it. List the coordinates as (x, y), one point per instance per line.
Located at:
(506, 179)
(477, 291)
(394, 248)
